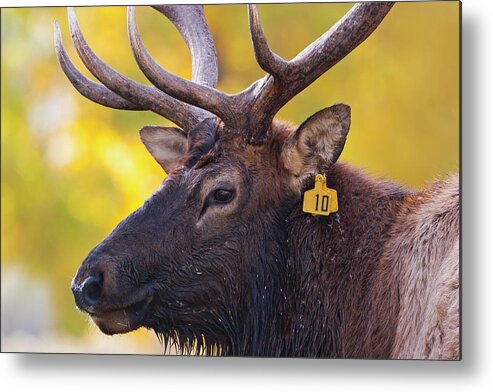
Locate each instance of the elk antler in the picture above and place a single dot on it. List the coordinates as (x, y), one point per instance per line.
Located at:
(286, 79)
(196, 94)
(188, 102)
(119, 92)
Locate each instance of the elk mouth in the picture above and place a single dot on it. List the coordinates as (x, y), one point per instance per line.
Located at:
(124, 319)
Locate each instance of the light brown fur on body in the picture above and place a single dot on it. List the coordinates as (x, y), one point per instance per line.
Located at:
(424, 249)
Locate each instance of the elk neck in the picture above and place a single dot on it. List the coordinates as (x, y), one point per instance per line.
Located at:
(332, 264)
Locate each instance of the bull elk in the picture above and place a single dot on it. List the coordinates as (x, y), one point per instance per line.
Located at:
(221, 259)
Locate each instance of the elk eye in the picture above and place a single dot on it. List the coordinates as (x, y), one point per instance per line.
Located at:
(223, 195)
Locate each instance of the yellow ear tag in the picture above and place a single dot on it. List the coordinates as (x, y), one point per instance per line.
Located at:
(320, 200)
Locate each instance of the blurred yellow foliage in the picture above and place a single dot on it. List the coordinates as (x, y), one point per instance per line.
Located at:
(71, 169)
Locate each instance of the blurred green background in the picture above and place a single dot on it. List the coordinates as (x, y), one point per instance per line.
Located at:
(71, 170)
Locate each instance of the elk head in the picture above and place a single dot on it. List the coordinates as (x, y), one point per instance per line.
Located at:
(207, 248)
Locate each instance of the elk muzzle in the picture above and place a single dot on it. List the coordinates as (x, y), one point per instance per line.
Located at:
(112, 311)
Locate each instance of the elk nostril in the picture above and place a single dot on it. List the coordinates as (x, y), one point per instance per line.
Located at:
(91, 290)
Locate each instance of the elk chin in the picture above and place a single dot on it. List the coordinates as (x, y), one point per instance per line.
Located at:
(122, 320)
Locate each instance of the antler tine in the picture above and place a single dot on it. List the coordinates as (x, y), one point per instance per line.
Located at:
(190, 22)
(149, 97)
(361, 20)
(268, 61)
(94, 91)
(269, 95)
(200, 95)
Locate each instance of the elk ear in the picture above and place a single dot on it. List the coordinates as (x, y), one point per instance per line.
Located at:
(166, 144)
(318, 142)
